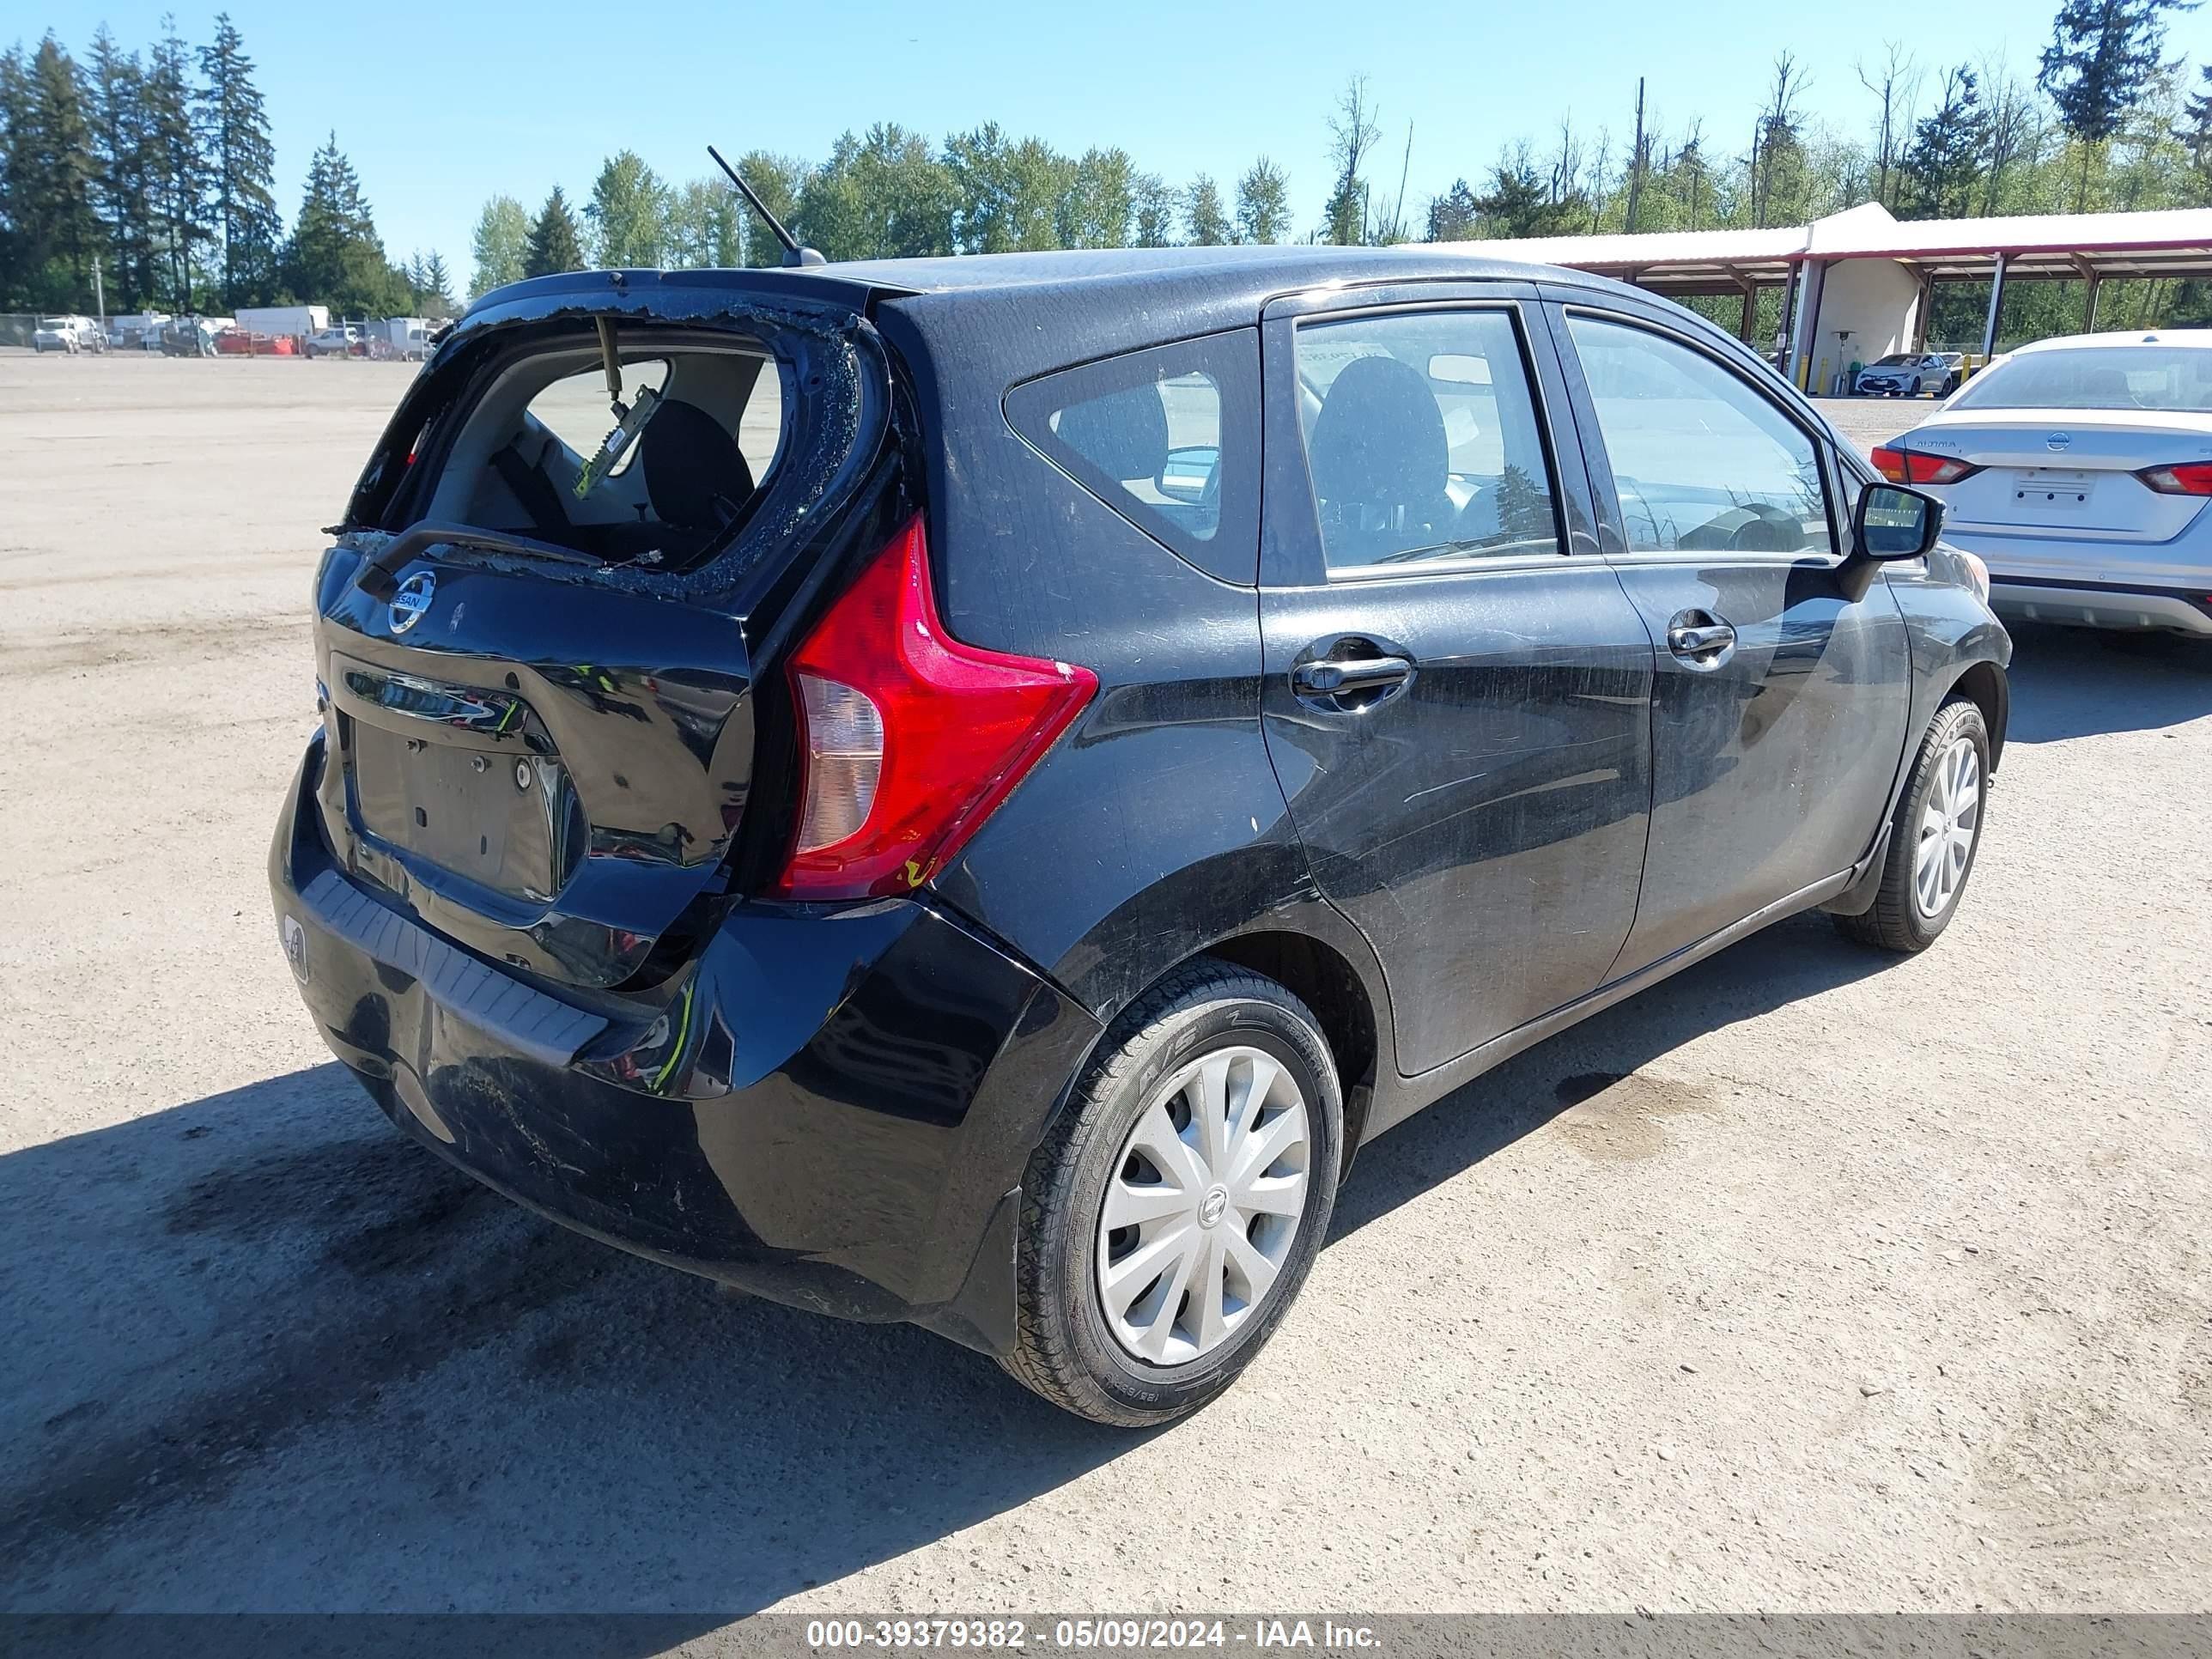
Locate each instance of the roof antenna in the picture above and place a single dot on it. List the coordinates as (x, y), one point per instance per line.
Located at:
(794, 254)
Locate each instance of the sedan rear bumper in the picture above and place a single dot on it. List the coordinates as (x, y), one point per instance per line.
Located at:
(834, 1108)
(2091, 606)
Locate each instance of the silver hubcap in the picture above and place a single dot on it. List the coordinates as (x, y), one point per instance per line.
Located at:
(1948, 823)
(1202, 1207)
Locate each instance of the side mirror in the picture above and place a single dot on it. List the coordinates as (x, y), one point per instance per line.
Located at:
(1892, 522)
(1184, 477)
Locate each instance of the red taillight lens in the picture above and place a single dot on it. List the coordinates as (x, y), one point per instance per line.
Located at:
(909, 739)
(1908, 466)
(2190, 479)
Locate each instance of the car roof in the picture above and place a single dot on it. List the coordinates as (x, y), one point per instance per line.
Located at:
(2200, 339)
(1238, 269)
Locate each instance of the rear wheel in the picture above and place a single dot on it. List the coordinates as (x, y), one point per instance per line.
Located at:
(1173, 1210)
(1934, 836)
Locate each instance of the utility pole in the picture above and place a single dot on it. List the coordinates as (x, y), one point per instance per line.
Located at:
(98, 294)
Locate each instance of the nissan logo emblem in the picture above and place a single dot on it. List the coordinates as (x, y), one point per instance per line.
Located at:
(412, 601)
(2059, 440)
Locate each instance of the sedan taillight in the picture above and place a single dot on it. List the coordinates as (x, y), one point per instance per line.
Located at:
(2188, 478)
(1909, 466)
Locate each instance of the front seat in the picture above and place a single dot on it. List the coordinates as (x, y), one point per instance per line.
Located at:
(695, 476)
(1380, 459)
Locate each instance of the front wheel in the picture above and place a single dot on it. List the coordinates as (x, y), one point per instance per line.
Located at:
(1175, 1207)
(1933, 837)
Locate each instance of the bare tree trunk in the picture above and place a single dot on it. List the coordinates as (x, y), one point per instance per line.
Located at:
(1636, 158)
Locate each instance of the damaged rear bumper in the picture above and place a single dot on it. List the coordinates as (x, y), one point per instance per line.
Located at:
(833, 1109)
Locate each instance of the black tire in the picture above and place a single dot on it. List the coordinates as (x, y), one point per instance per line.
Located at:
(1064, 1349)
(1896, 922)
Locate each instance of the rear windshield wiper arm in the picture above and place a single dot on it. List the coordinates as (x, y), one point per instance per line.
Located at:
(380, 577)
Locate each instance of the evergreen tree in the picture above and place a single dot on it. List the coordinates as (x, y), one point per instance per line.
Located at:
(116, 91)
(1522, 200)
(629, 213)
(2100, 55)
(1452, 215)
(501, 247)
(47, 209)
(176, 174)
(1263, 203)
(335, 257)
(241, 167)
(1202, 212)
(556, 244)
(2194, 135)
(431, 285)
(1944, 163)
(14, 99)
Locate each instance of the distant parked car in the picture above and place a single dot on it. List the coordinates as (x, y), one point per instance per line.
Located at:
(70, 334)
(339, 340)
(2079, 469)
(191, 336)
(1909, 373)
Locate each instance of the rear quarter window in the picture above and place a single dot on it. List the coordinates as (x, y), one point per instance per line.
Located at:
(1168, 437)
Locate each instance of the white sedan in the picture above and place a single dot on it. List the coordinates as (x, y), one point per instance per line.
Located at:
(2079, 469)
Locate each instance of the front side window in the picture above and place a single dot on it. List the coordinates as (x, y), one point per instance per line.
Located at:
(1703, 463)
(1422, 439)
(1168, 437)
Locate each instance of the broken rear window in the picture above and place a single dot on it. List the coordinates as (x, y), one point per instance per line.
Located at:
(702, 451)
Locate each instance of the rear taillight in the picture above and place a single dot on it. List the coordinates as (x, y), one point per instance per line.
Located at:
(2188, 478)
(908, 738)
(1910, 466)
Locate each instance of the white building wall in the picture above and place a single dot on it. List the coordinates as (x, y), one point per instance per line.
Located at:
(1877, 300)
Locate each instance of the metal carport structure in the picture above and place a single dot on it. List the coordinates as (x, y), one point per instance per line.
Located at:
(2087, 247)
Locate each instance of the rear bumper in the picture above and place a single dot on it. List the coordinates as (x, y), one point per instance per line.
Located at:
(2095, 583)
(833, 1110)
(2089, 606)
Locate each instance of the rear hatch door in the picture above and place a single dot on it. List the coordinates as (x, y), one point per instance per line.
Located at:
(541, 727)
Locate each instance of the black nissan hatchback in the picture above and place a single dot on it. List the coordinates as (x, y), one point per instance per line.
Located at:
(963, 790)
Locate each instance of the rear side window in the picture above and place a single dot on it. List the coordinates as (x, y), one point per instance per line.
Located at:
(1168, 437)
(1422, 438)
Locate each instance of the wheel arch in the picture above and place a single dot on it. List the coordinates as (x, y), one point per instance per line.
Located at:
(1984, 685)
(1307, 947)
(1320, 976)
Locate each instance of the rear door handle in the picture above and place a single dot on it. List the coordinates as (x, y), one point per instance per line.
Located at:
(1329, 678)
(1701, 640)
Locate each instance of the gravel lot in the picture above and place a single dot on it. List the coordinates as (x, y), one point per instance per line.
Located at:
(1806, 1281)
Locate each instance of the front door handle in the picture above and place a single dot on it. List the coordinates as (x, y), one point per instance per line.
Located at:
(1695, 640)
(1328, 678)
